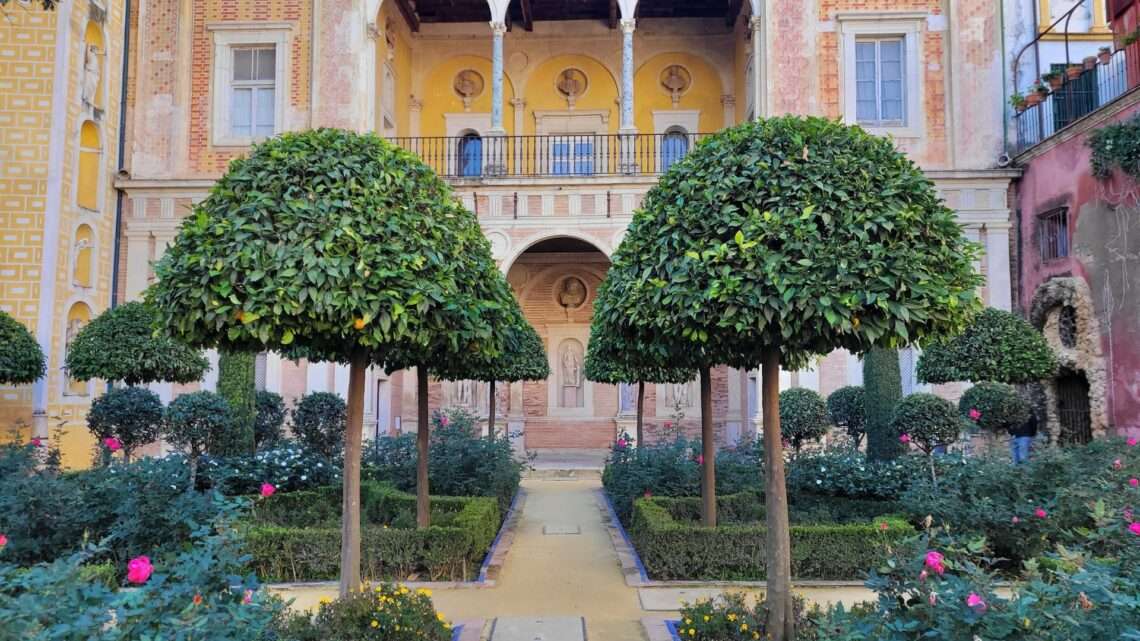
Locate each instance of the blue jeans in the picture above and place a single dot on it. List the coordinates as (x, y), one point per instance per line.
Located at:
(1019, 448)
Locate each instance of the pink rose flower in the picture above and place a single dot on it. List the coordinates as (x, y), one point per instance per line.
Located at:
(668, 424)
(247, 598)
(1040, 513)
(648, 494)
(267, 490)
(621, 443)
(444, 421)
(976, 602)
(975, 415)
(1134, 482)
(933, 598)
(1015, 520)
(905, 438)
(1134, 528)
(3, 540)
(1132, 441)
(139, 570)
(934, 561)
(922, 575)
(37, 442)
(883, 527)
(112, 444)
(700, 459)
(1116, 465)
(1128, 514)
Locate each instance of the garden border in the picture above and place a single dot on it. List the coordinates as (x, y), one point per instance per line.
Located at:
(636, 576)
(488, 572)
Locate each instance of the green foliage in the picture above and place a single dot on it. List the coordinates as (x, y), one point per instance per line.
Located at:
(997, 406)
(288, 465)
(730, 618)
(676, 549)
(791, 231)
(319, 421)
(326, 244)
(803, 416)
(846, 408)
(195, 421)
(21, 360)
(611, 359)
(383, 613)
(522, 357)
(267, 426)
(131, 414)
(998, 346)
(1116, 146)
(928, 420)
(236, 385)
(848, 473)
(296, 536)
(124, 344)
(882, 391)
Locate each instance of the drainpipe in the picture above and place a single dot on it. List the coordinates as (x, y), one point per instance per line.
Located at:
(121, 165)
(1004, 79)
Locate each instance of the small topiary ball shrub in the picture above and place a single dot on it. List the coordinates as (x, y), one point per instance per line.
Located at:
(926, 420)
(845, 407)
(997, 346)
(319, 421)
(195, 420)
(994, 406)
(269, 419)
(21, 360)
(131, 415)
(803, 416)
(382, 613)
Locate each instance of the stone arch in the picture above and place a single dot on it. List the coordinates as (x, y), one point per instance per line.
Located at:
(1085, 356)
(83, 252)
(88, 184)
(78, 315)
(515, 251)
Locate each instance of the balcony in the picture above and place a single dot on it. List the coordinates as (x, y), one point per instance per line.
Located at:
(570, 156)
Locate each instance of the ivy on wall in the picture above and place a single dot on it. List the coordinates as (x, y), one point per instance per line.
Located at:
(1116, 146)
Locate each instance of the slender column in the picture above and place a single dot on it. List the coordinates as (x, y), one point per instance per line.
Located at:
(498, 28)
(627, 27)
(756, 24)
(997, 266)
(728, 103)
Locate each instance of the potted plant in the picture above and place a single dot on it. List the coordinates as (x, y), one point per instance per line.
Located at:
(1018, 102)
(1104, 55)
(1089, 62)
(1037, 95)
(1130, 38)
(1074, 71)
(1054, 79)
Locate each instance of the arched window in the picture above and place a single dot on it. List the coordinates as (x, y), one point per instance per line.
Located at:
(90, 152)
(82, 254)
(470, 157)
(674, 146)
(78, 316)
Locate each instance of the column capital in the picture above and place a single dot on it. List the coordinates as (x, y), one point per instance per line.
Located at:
(518, 103)
(728, 100)
(415, 104)
(999, 226)
(628, 25)
(498, 28)
(755, 22)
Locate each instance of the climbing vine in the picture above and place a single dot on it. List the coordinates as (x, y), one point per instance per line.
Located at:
(1116, 146)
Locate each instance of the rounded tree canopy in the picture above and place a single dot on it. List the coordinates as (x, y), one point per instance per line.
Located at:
(997, 346)
(846, 407)
(803, 415)
(21, 359)
(123, 344)
(795, 232)
(927, 420)
(613, 360)
(326, 244)
(994, 406)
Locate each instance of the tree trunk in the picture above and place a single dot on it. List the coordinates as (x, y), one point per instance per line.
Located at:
(640, 413)
(708, 449)
(491, 413)
(781, 617)
(423, 503)
(350, 501)
(193, 460)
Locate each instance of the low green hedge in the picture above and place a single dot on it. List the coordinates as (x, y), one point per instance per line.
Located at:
(674, 546)
(296, 536)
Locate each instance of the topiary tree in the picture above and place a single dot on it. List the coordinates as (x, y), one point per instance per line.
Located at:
(998, 346)
(803, 416)
(333, 246)
(774, 241)
(123, 344)
(193, 421)
(21, 359)
(523, 358)
(319, 421)
(613, 361)
(236, 384)
(994, 406)
(132, 415)
(845, 407)
(927, 421)
(270, 419)
(882, 391)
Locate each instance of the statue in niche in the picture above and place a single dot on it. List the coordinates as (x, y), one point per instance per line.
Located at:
(676, 80)
(464, 394)
(572, 294)
(571, 374)
(677, 395)
(627, 398)
(92, 70)
(82, 253)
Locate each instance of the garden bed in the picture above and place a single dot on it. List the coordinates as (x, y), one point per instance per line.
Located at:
(296, 536)
(673, 545)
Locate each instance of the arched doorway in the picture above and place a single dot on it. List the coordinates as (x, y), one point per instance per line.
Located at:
(1073, 412)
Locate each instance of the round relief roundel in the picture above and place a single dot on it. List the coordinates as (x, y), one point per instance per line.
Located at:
(468, 84)
(572, 83)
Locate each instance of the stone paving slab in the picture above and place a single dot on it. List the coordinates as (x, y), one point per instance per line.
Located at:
(538, 629)
(657, 629)
(561, 530)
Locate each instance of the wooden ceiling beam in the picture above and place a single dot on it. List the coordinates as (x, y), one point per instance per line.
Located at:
(614, 14)
(527, 15)
(409, 13)
(733, 11)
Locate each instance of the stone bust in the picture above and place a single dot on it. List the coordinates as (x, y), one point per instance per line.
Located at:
(572, 294)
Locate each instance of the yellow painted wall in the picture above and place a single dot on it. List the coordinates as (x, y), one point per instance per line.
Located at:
(390, 19)
(93, 37)
(84, 248)
(704, 94)
(541, 93)
(440, 98)
(740, 73)
(87, 189)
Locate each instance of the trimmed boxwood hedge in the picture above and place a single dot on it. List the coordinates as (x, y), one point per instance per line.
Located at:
(295, 536)
(674, 546)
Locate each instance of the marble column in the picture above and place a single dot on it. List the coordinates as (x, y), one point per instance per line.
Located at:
(627, 28)
(756, 25)
(997, 266)
(498, 29)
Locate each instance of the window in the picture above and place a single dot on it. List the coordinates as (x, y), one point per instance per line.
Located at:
(880, 82)
(674, 146)
(572, 155)
(251, 81)
(252, 92)
(471, 155)
(1053, 234)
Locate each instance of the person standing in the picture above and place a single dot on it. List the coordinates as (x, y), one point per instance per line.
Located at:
(1022, 438)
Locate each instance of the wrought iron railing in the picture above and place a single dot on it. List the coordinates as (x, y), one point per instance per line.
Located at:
(567, 155)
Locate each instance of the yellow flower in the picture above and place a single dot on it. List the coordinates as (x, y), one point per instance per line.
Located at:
(375, 623)
(707, 617)
(424, 592)
(379, 589)
(688, 621)
(692, 632)
(731, 616)
(439, 615)
(755, 635)
(1025, 622)
(325, 600)
(744, 627)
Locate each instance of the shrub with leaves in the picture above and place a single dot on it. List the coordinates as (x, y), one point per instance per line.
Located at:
(803, 416)
(850, 474)
(926, 420)
(194, 421)
(882, 391)
(132, 415)
(1116, 146)
(236, 385)
(998, 346)
(288, 465)
(845, 407)
(994, 406)
(319, 422)
(267, 426)
(385, 612)
(731, 618)
(21, 359)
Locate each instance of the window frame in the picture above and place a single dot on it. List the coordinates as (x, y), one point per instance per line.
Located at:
(229, 37)
(864, 26)
(1063, 244)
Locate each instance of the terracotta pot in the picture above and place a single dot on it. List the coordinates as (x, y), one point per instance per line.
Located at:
(1055, 82)
(1032, 99)
(1074, 72)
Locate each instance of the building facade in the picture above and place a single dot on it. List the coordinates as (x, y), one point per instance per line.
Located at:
(551, 120)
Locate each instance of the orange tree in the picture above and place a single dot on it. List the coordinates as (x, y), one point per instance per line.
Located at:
(333, 246)
(21, 359)
(774, 241)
